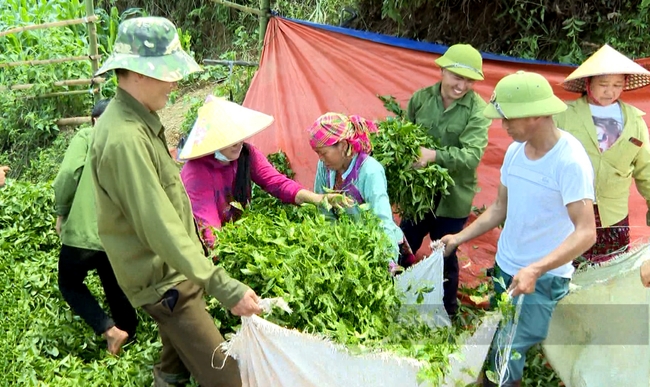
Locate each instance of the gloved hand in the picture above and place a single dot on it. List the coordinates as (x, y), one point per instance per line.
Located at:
(647, 218)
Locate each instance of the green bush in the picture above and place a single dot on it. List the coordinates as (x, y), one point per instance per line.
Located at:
(28, 120)
(44, 343)
(27, 123)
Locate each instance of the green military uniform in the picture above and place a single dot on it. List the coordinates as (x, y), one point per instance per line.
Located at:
(74, 195)
(462, 131)
(145, 217)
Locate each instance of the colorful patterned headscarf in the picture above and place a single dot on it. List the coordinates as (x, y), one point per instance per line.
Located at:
(332, 128)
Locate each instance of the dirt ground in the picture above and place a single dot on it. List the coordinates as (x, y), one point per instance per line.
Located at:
(173, 115)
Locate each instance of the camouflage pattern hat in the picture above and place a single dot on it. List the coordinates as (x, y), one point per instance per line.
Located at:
(150, 46)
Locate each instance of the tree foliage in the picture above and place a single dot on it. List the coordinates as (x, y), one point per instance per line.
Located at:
(554, 30)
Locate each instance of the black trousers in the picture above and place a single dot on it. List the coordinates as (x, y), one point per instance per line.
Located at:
(74, 266)
(437, 227)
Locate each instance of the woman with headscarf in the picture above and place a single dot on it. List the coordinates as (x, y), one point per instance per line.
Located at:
(221, 166)
(345, 165)
(616, 139)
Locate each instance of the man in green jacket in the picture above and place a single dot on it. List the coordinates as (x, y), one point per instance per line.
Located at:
(145, 217)
(452, 113)
(81, 250)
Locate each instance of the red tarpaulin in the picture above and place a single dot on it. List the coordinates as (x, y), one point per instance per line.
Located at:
(307, 70)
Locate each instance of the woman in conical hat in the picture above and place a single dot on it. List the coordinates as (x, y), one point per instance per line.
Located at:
(343, 146)
(616, 139)
(221, 166)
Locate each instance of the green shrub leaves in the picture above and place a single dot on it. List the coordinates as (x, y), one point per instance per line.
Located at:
(397, 147)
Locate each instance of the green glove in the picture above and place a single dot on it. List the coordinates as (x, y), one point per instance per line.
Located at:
(647, 218)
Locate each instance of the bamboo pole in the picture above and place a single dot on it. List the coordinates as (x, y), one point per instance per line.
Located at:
(60, 93)
(69, 82)
(92, 38)
(265, 7)
(73, 121)
(48, 61)
(240, 7)
(218, 62)
(61, 23)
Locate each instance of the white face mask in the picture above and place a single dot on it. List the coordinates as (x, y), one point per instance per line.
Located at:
(219, 156)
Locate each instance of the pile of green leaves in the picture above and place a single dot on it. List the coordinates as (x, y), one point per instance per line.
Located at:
(334, 275)
(397, 147)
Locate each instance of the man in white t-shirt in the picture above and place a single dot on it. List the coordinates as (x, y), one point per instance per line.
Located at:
(546, 201)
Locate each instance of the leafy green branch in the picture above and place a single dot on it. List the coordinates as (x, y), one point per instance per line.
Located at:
(396, 146)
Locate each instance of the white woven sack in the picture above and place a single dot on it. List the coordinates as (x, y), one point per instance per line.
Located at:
(598, 336)
(466, 365)
(428, 273)
(269, 355)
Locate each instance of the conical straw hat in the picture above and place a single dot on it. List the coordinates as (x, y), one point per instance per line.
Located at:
(220, 124)
(607, 61)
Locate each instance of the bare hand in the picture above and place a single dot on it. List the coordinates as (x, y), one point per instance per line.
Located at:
(645, 274)
(524, 281)
(248, 305)
(426, 156)
(59, 222)
(3, 173)
(451, 243)
(338, 200)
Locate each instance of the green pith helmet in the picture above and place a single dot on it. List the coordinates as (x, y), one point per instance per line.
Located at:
(150, 46)
(521, 95)
(463, 60)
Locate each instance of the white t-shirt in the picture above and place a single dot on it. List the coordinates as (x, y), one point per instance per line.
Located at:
(537, 221)
(608, 121)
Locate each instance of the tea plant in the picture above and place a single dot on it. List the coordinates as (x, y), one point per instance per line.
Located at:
(397, 147)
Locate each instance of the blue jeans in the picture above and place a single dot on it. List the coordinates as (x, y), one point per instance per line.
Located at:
(534, 320)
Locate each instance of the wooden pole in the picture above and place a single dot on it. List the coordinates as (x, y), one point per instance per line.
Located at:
(239, 7)
(92, 39)
(48, 61)
(218, 62)
(60, 93)
(73, 121)
(69, 82)
(265, 7)
(61, 23)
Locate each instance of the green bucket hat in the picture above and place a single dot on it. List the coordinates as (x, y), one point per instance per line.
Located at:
(463, 60)
(150, 46)
(521, 95)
